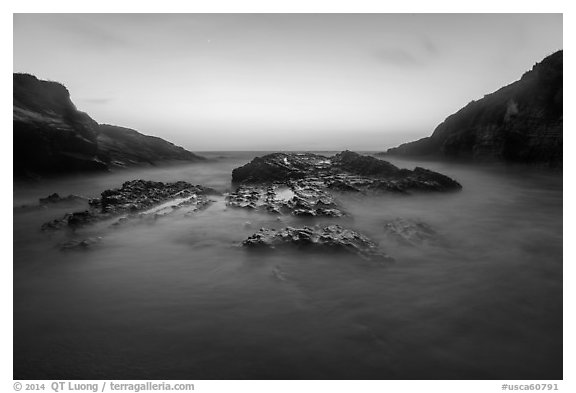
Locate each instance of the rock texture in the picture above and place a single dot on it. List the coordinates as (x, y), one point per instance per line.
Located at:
(52, 137)
(136, 198)
(520, 123)
(346, 171)
(332, 238)
(299, 198)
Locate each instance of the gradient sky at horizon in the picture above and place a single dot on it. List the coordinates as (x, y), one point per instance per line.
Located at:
(281, 81)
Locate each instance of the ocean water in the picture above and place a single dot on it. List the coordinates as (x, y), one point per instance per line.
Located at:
(178, 298)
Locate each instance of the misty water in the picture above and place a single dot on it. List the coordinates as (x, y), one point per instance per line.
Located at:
(178, 297)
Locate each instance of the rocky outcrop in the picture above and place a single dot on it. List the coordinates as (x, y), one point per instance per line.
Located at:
(365, 165)
(332, 238)
(303, 184)
(520, 123)
(52, 137)
(298, 198)
(136, 198)
(280, 167)
(346, 171)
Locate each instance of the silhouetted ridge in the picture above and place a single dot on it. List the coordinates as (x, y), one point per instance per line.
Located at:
(51, 136)
(521, 122)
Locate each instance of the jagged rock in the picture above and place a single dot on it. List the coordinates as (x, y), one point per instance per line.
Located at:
(312, 200)
(279, 167)
(137, 198)
(346, 171)
(411, 232)
(311, 177)
(299, 198)
(138, 195)
(332, 238)
(520, 123)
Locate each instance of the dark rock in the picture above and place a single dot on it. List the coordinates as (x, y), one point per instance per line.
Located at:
(138, 195)
(57, 199)
(137, 198)
(50, 134)
(52, 137)
(346, 171)
(331, 238)
(310, 178)
(364, 165)
(419, 179)
(341, 185)
(520, 123)
(119, 146)
(279, 167)
(411, 232)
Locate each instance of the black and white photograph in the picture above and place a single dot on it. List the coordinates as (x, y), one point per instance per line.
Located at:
(288, 196)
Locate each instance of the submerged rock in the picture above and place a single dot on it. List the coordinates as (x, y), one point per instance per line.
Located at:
(332, 238)
(72, 220)
(137, 198)
(57, 199)
(84, 244)
(54, 200)
(411, 232)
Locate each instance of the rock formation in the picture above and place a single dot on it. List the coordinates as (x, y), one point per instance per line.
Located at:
(520, 123)
(332, 238)
(300, 198)
(136, 198)
(346, 171)
(52, 137)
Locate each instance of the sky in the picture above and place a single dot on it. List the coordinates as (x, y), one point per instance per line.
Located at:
(281, 81)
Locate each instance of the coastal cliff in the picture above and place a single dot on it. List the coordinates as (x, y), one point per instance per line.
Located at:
(51, 136)
(519, 123)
